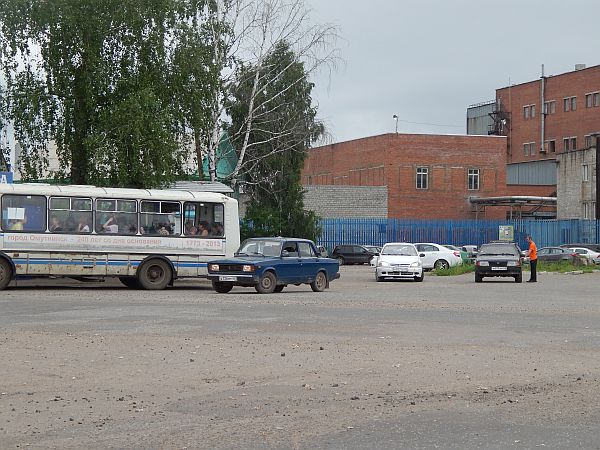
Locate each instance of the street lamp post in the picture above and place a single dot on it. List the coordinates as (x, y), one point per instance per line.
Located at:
(395, 117)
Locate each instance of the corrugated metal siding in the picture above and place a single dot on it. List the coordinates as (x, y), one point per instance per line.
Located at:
(479, 121)
(541, 173)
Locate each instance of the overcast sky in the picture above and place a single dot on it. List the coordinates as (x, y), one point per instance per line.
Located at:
(428, 60)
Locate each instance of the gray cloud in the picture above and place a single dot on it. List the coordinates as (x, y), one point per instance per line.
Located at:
(427, 60)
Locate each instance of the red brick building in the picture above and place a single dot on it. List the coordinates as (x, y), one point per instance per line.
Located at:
(427, 176)
(569, 115)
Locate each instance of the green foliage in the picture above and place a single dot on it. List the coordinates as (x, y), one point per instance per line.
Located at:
(281, 129)
(116, 85)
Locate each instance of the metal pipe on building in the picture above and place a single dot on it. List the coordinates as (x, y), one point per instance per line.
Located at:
(597, 216)
(543, 112)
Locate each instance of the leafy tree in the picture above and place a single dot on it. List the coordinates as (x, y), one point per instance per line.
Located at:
(284, 126)
(115, 84)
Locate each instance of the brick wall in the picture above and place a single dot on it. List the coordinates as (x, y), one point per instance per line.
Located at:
(346, 201)
(392, 159)
(559, 125)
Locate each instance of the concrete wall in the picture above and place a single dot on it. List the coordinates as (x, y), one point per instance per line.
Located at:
(346, 201)
(572, 190)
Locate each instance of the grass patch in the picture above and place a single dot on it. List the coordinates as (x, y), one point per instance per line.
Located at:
(559, 267)
(456, 270)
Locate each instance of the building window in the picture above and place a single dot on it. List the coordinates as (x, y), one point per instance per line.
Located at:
(592, 99)
(528, 111)
(550, 146)
(570, 143)
(589, 210)
(570, 104)
(473, 180)
(422, 177)
(529, 149)
(589, 141)
(550, 107)
(585, 175)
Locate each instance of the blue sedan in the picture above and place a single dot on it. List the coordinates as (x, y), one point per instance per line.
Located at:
(270, 264)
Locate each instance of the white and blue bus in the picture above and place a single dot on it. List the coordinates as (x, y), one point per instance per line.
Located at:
(146, 238)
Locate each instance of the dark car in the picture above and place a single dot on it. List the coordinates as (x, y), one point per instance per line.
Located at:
(554, 254)
(352, 254)
(269, 264)
(499, 259)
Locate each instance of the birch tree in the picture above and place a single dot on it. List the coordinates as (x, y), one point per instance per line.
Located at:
(259, 27)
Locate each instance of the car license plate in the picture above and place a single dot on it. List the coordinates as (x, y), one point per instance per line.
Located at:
(227, 278)
(498, 268)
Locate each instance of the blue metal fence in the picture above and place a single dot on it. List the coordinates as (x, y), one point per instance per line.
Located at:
(375, 231)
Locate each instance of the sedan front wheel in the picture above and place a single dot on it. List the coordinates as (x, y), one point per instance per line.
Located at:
(267, 283)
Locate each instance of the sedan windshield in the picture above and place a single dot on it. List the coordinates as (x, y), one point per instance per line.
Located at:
(264, 247)
(400, 250)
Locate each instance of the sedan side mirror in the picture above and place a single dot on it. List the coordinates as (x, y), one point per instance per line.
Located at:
(285, 253)
(422, 255)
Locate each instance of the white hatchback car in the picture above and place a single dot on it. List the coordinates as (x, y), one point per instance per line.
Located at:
(437, 256)
(399, 260)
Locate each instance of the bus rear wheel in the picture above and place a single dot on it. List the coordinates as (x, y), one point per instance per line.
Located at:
(5, 274)
(154, 274)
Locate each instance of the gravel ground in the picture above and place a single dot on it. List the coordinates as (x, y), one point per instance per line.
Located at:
(446, 363)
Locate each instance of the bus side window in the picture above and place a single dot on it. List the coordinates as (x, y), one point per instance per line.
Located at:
(24, 213)
(203, 219)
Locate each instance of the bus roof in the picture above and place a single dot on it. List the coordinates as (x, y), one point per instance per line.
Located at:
(101, 192)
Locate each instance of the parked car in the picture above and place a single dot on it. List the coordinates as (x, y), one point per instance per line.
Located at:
(554, 254)
(471, 252)
(352, 254)
(437, 256)
(594, 247)
(499, 259)
(399, 260)
(375, 249)
(323, 251)
(270, 264)
(464, 255)
(591, 255)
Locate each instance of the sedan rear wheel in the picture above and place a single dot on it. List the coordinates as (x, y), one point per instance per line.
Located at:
(320, 282)
(341, 260)
(267, 283)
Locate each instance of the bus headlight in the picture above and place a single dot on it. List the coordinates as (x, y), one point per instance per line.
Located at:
(247, 268)
(213, 267)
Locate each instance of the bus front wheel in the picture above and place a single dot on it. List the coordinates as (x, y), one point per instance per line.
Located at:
(5, 273)
(154, 274)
